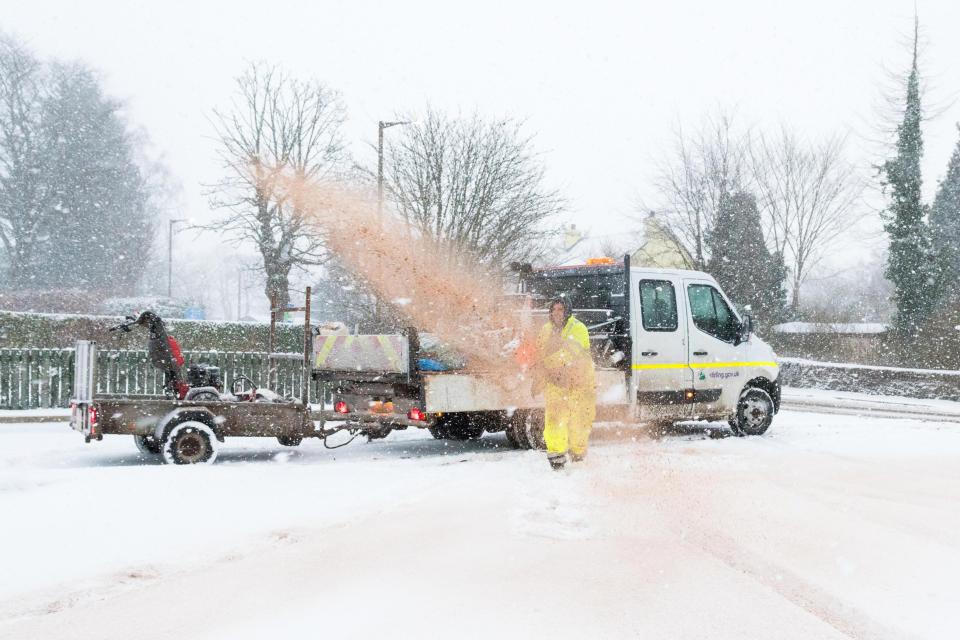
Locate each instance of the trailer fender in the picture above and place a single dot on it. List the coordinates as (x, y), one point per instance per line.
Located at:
(183, 414)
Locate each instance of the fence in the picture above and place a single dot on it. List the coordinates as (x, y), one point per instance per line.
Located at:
(43, 378)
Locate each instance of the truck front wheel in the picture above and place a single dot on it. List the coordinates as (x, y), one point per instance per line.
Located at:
(754, 412)
(190, 442)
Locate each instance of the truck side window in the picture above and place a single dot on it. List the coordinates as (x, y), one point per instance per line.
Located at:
(711, 314)
(658, 305)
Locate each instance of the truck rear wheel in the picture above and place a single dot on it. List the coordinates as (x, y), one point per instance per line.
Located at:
(290, 441)
(458, 426)
(147, 445)
(190, 442)
(526, 429)
(754, 412)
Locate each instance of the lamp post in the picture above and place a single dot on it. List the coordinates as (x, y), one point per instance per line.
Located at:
(170, 256)
(382, 125)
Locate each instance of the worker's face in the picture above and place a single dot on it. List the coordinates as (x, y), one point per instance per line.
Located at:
(556, 314)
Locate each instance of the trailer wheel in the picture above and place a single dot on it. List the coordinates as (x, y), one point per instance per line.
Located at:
(147, 445)
(190, 442)
(754, 412)
(290, 441)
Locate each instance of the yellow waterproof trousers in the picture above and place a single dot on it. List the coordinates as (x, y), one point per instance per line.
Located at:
(568, 419)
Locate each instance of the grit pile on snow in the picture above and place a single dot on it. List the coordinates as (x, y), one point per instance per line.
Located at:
(830, 526)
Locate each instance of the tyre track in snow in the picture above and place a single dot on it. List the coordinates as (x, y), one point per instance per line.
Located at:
(682, 495)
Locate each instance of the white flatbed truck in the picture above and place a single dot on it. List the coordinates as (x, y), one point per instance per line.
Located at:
(668, 347)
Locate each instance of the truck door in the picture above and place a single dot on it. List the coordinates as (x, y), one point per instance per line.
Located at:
(714, 358)
(660, 365)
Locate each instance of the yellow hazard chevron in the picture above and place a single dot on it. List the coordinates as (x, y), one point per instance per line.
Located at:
(325, 350)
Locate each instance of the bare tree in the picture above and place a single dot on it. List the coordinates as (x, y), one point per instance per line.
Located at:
(278, 127)
(705, 166)
(473, 184)
(809, 195)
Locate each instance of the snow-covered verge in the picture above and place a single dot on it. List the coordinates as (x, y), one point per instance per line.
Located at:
(861, 404)
(876, 380)
(830, 526)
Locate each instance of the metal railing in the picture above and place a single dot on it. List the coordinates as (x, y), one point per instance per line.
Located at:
(43, 378)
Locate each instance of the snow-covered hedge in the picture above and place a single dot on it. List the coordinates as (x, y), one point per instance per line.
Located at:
(61, 331)
(941, 384)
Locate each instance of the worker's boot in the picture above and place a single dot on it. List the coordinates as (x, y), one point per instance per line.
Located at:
(557, 460)
(577, 457)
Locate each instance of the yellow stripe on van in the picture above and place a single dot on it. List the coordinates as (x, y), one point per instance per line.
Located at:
(704, 365)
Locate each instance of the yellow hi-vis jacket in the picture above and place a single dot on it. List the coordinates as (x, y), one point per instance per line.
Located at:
(565, 358)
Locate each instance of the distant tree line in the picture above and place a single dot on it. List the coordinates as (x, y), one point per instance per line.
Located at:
(76, 201)
(756, 211)
(761, 212)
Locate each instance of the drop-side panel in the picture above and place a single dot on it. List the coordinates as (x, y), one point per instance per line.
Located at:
(450, 392)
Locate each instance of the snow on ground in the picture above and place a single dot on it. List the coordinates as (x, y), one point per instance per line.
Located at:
(830, 526)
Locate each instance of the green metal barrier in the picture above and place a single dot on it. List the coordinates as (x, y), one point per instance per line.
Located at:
(43, 378)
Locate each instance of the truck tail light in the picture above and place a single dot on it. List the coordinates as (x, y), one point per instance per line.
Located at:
(416, 414)
(92, 412)
(341, 407)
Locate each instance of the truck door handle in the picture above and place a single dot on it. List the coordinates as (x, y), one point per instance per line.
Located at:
(648, 353)
(699, 353)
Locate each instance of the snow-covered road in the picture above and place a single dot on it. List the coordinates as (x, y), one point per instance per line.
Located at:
(830, 526)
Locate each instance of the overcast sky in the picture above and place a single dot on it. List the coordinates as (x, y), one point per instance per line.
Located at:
(602, 85)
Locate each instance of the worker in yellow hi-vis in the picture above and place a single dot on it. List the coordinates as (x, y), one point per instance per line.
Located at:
(565, 373)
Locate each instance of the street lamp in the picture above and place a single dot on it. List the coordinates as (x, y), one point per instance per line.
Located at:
(170, 256)
(382, 125)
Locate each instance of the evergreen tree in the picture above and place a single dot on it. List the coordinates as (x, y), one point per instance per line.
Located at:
(740, 261)
(945, 218)
(910, 264)
(99, 210)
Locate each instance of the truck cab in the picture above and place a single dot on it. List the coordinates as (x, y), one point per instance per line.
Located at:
(685, 351)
